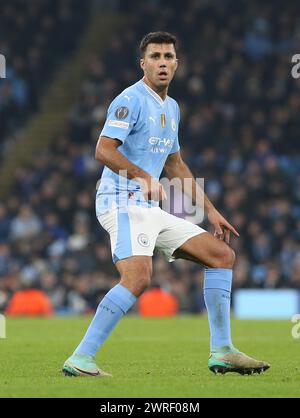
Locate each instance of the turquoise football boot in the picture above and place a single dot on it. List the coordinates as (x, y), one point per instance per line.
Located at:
(82, 365)
(229, 359)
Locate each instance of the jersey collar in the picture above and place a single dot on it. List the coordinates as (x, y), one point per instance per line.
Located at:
(153, 93)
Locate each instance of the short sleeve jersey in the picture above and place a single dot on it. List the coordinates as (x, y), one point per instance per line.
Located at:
(147, 127)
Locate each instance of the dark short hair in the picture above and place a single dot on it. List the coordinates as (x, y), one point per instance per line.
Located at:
(157, 38)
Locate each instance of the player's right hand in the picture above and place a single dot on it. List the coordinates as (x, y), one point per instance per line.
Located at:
(152, 189)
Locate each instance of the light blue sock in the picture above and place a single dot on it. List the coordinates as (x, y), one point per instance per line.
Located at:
(111, 309)
(217, 293)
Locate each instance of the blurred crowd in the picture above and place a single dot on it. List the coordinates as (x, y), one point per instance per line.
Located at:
(240, 130)
(34, 36)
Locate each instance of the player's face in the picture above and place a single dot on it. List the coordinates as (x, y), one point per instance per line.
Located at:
(159, 65)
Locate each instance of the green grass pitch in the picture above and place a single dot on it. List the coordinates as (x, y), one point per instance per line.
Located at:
(147, 357)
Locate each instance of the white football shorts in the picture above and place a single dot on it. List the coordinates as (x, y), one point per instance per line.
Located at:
(138, 230)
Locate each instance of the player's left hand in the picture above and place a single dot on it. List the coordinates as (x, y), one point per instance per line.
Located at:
(222, 227)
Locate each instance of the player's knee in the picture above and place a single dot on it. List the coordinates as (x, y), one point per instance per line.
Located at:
(233, 257)
(138, 281)
(226, 257)
(136, 285)
(145, 282)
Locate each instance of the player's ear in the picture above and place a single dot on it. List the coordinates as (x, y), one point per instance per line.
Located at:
(142, 63)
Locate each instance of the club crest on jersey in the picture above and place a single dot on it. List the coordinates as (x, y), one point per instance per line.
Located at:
(121, 112)
(163, 120)
(143, 240)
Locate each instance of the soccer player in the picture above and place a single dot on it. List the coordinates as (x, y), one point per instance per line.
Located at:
(140, 139)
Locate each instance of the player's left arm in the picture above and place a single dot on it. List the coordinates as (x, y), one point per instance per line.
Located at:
(175, 167)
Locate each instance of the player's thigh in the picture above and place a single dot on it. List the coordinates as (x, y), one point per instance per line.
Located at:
(133, 231)
(207, 250)
(175, 233)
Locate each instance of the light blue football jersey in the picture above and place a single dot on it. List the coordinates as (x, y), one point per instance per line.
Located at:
(147, 126)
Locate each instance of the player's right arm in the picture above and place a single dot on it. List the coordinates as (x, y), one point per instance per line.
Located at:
(107, 153)
(122, 115)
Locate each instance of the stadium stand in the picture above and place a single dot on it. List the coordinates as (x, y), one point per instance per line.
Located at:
(239, 130)
(34, 42)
